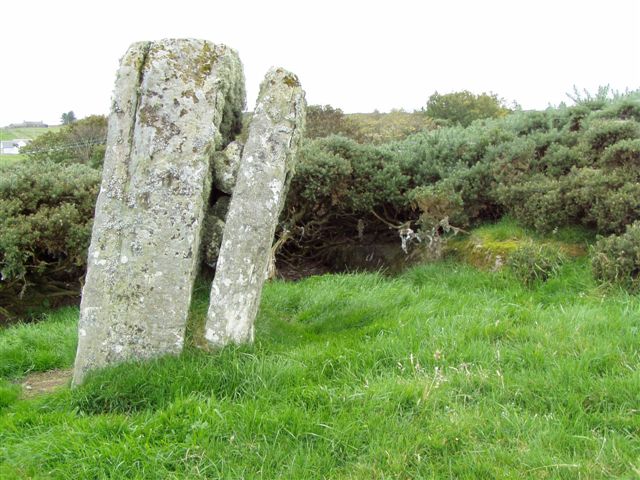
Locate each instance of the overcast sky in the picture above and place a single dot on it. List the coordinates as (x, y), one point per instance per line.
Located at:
(357, 55)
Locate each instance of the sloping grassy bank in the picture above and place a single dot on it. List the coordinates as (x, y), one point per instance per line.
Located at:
(444, 372)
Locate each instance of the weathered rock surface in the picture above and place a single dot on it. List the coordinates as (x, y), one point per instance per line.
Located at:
(174, 101)
(225, 167)
(258, 197)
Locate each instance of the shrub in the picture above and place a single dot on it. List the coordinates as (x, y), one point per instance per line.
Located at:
(559, 160)
(356, 177)
(46, 213)
(431, 156)
(625, 153)
(512, 159)
(602, 133)
(465, 197)
(626, 107)
(339, 189)
(606, 201)
(615, 260)
(533, 262)
(321, 182)
(525, 123)
(537, 203)
(465, 107)
(437, 202)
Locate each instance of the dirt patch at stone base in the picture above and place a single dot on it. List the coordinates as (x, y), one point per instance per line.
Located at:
(39, 383)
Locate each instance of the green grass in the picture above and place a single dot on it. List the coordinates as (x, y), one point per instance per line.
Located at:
(508, 229)
(10, 159)
(443, 372)
(47, 345)
(12, 133)
(28, 132)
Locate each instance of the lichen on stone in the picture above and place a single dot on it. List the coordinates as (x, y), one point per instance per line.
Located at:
(257, 200)
(172, 99)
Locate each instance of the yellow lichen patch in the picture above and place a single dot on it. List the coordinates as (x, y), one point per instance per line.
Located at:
(291, 81)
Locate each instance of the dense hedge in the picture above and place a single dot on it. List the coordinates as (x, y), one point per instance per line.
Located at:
(46, 213)
(550, 169)
(563, 166)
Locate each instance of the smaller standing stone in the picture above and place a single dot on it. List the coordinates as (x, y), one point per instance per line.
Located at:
(259, 193)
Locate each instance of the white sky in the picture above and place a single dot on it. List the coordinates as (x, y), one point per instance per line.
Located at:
(356, 55)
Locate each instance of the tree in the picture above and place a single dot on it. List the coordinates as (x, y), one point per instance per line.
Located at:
(465, 107)
(82, 141)
(323, 121)
(68, 118)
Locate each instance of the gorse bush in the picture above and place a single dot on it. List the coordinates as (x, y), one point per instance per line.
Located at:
(533, 262)
(560, 167)
(615, 260)
(604, 133)
(622, 154)
(339, 187)
(605, 201)
(46, 214)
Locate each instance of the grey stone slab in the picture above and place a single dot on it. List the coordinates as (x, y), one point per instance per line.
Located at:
(258, 196)
(168, 113)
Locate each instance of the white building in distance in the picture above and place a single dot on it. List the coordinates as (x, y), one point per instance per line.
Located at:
(12, 147)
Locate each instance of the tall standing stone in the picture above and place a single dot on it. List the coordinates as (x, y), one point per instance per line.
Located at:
(258, 196)
(174, 101)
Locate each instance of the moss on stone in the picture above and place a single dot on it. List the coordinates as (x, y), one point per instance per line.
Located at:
(291, 80)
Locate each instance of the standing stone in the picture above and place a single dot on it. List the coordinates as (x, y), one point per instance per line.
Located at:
(172, 105)
(259, 193)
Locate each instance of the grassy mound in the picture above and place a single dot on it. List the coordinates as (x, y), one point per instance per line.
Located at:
(491, 246)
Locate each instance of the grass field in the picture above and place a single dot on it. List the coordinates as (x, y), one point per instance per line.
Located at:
(12, 133)
(10, 159)
(444, 372)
